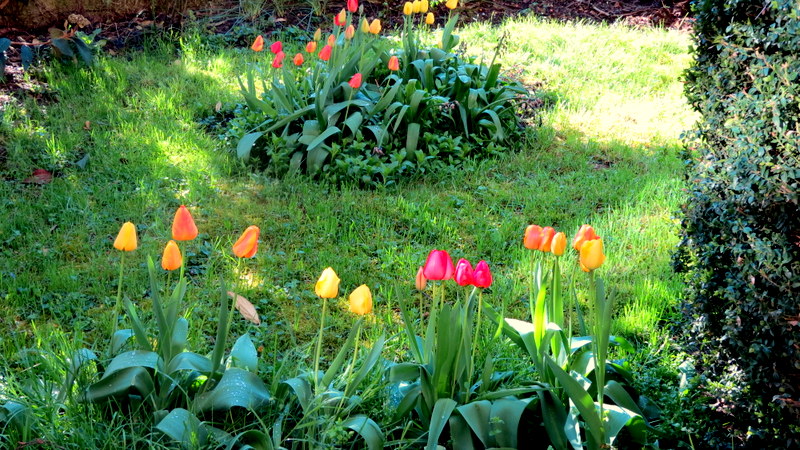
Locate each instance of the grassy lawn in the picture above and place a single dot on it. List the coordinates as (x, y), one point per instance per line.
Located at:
(605, 154)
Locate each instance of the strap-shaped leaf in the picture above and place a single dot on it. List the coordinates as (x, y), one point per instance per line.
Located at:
(619, 418)
(189, 361)
(439, 416)
(366, 367)
(339, 361)
(504, 420)
(133, 358)
(75, 363)
(129, 381)
(246, 143)
(26, 55)
(119, 338)
(302, 390)
(367, 429)
(410, 398)
(319, 140)
(184, 427)
(583, 401)
(354, 122)
(460, 433)
(244, 354)
(412, 138)
(315, 159)
(237, 388)
(554, 417)
(180, 333)
(251, 439)
(477, 415)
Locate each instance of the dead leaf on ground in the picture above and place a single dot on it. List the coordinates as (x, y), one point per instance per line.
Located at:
(245, 308)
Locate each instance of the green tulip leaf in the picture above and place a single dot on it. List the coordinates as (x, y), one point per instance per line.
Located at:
(119, 339)
(477, 414)
(460, 433)
(582, 400)
(180, 334)
(17, 415)
(251, 439)
(302, 390)
(184, 427)
(618, 418)
(554, 417)
(133, 358)
(237, 388)
(366, 366)
(244, 354)
(189, 361)
(442, 410)
(120, 384)
(367, 429)
(246, 143)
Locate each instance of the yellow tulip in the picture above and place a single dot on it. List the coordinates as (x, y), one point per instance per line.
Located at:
(424, 6)
(171, 259)
(416, 6)
(429, 18)
(375, 26)
(318, 34)
(408, 8)
(126, 239)
(364, 26)
(559, 243)
(451, 4)
(591, 256)
(328, 284)
(361, 300)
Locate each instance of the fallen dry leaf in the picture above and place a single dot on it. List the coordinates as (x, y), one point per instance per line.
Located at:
(39, 176)
(246, 309)
(218, 106)
(87, 125)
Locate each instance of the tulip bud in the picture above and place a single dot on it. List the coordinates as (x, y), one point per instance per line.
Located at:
(317, 35)
(349, 32)
(586, 233)
(547, 238)
(183, 227)
(325, 53)
(375, 26)
(464, 274)
(258, 44)
(126, 238)
(247, 244)
(429, 18)
(311, 47)
(408, 8)
(355, 82)
(482, 275)
(438, 266)
(533, 237)
(361, 300)
(591, 255)
(420, 282)
(328, 284)
(559, 243)
(171, 259)
(394, 64)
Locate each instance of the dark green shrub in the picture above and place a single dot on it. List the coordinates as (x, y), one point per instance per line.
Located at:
(740, 249)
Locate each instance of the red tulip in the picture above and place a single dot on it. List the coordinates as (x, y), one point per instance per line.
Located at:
(278, 61)
(438, 266)
(482, 274)
(352, 5)
(464, 274)
(276, 47)
(586, 233)
(325, 53)
(298, 59)
(339, 19)
(355, 82)
(258, 44)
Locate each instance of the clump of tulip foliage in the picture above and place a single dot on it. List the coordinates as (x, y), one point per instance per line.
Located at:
(347, 105)
(441, 384)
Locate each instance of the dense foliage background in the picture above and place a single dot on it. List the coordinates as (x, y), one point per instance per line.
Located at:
(740, 248)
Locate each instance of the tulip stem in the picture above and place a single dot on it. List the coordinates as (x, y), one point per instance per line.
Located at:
(319, 345)
(476, 332)
(600, 348)
(119, 292)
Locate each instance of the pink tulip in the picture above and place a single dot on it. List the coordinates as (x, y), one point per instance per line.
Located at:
(464, 274)
(482, 275)
(438, 266)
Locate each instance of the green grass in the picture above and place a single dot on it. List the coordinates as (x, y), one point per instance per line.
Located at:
(605, 154)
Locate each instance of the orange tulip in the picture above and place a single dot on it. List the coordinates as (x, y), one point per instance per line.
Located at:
(591, 255)
(325, 53)
(298, 59)
(328, 284)
(375, 26)
(533, 237)
(183, 227)
(394, 63)
(361, 300)
(547, 237)
(420, 282)
(559, 244)
(171, 259)
(349, 32)
(126, 239)
(311, 47)
(258, 44)
(586, 233)
(247, 245)
(331, 40)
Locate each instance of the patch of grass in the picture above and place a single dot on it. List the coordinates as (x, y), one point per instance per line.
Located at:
(605, 155)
